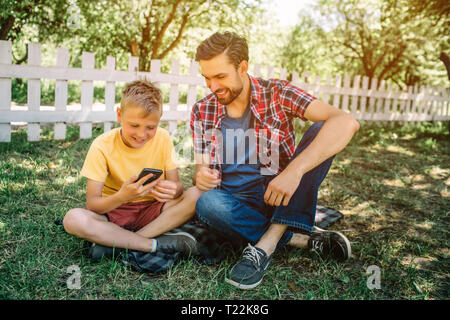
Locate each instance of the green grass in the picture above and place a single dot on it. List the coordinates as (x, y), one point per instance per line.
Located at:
(392, 184)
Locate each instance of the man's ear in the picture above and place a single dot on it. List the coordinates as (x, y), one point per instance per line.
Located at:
(243, 67)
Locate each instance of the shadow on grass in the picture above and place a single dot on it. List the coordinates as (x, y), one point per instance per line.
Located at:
(390, 183)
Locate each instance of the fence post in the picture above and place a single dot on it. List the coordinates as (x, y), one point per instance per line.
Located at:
(87, 94)
(442, 113)
(364, 97)
(283, 73)
(62, 61)
(155, 69)
(326, 94)
(403, 106)
(316, 89)
(379, 103)
(34, 91)
(110, 92)
(345, 97)
(409, 102)
(372, 99)
(395, 106)
(429, 97)
(295, 78)
(421, 101)
(5, 90)
(257, 70)
(387, 102)
(355, 96)
(270, 72)
(174, 94)
(337, 92)
(415, 108)
(192, 90)
(133, 64)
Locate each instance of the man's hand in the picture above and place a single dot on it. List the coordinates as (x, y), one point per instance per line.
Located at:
(132, 190)
(280, 189)
(165, 190)
(207, 179)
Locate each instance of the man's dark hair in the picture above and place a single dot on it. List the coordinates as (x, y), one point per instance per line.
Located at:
(234, 46)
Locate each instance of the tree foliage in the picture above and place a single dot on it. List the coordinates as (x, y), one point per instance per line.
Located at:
(384, 39)
(149, 29)
(395, 40)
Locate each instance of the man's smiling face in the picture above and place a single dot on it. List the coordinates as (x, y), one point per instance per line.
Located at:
(222, 78)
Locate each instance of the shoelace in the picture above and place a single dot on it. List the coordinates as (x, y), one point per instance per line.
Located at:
(252, 254)
(317, 245)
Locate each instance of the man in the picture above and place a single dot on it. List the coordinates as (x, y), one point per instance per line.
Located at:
(264, 193)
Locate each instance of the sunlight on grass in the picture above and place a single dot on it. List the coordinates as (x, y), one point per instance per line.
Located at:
(393, 183)
(390, 184)
(438, 173)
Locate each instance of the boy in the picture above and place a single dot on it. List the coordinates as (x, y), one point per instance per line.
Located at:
(122, 212)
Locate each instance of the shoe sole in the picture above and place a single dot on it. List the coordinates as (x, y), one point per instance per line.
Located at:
(104, 253)
(180, 234)
(190, 236)
(243, 286)
(347, 242)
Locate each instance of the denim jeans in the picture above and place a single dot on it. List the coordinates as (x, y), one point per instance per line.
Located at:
(245, 217)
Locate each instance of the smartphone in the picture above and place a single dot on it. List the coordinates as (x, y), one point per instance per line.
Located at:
(156, 174)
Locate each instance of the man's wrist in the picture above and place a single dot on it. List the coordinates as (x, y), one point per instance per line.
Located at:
(296, 171)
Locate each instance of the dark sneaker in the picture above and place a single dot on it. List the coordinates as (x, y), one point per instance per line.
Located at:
(330, 243)
(250, 270)
(98, 251)
(171, 242)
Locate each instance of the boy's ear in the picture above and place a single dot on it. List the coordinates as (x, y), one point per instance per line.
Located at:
(119, 114)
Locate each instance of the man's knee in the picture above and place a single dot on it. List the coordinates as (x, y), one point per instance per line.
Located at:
(210, 206)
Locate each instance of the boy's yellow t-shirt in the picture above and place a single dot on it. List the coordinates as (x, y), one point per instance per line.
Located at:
(111, 161)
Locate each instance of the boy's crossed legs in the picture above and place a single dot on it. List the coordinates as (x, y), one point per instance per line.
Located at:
(97, 228)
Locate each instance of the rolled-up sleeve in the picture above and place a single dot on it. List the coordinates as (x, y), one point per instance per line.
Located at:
(295, 100)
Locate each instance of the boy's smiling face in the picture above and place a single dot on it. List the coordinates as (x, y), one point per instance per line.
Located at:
(138, 126)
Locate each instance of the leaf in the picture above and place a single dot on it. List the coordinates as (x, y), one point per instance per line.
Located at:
(293, 287)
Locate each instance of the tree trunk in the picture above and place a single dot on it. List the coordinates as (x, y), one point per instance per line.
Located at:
(445, 58)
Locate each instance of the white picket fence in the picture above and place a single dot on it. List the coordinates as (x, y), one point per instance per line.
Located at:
(375, 102)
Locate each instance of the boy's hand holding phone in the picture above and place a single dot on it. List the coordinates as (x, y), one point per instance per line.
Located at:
(133, 190)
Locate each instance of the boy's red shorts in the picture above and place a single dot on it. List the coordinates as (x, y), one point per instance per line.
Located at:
(135, 215)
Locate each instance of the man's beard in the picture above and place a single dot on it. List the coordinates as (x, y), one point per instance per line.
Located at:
(233, 94)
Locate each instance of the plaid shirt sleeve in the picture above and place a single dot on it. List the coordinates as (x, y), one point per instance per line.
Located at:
(197, 129)
(294, 100)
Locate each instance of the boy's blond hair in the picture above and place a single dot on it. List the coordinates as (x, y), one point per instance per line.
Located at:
(144, 94)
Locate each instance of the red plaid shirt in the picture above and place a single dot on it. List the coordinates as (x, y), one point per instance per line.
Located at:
(274, 103)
